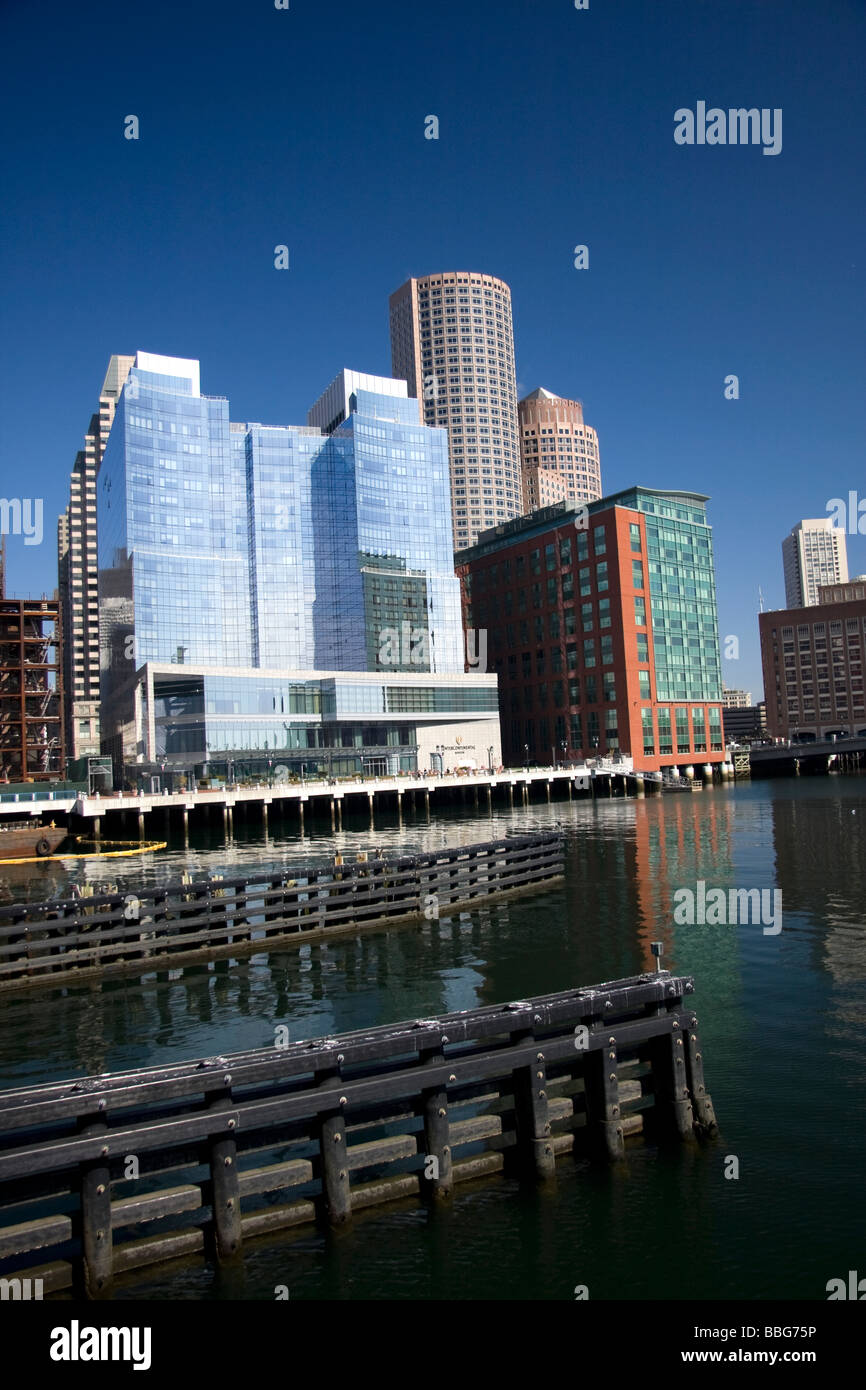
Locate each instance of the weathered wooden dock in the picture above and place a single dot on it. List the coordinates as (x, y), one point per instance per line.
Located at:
(55, 943)
(113, 1173)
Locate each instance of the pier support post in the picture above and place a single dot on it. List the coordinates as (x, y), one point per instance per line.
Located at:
(225, 1191)
(336, 1193)
(97, 827)
(399, 806)
(570, 789)
(511, 795)
(704, 1115)
(372, 821)
(265, 817)
(533, 1116)
(301, 813)
(601, 1083)
(427, 802)
(672, 1104)
(437, 1178)
(489, 797)
(230, 822)
(333, 816)
(475, 796)
(339, 813)
(96, 1238)
(548, 791)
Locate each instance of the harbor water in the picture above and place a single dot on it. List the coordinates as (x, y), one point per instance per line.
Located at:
(782, 1015)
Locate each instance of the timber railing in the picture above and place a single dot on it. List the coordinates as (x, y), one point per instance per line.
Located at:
(116, 933)
(107, 1174)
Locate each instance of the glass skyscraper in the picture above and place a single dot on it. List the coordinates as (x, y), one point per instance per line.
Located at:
(244, 548)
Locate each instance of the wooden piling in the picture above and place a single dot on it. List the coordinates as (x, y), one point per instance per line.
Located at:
(226, 1231)
(336, 1193)
(601, 1080)
(96, 1237)
(672, 1108)
(532, 1115)
(702, 1106)
(437, 1179)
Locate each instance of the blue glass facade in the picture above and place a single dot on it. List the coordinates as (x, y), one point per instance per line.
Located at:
(172, 527)
(202, 717)
(246, 546)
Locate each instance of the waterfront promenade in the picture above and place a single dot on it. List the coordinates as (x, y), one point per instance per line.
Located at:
(146, 812)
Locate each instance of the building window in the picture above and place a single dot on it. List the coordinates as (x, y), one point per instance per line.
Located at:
(637, 574)
(649, 747)
(611, 729)
(664, 723)
(699, 730)
(682, 723)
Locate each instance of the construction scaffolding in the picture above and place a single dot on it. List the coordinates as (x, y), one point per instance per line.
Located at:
(31, 691)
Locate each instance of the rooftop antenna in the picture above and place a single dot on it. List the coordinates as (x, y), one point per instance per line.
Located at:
(761, 598)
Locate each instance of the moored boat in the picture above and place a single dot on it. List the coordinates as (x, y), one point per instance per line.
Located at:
(22, 839)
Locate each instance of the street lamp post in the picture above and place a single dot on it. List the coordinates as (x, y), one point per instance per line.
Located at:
(490, 758)
(526, 755)
(564, 747)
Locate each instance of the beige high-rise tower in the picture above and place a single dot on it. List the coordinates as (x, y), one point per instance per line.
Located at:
(815, 553)
(77, 570)
(452, 342)
(558, 451)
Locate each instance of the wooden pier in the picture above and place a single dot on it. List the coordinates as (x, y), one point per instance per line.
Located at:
(114, 1173)
(73, 939)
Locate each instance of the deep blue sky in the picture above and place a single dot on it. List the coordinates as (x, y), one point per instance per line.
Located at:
(305, 127)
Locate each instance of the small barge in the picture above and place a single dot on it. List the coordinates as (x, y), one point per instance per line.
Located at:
(21, 839)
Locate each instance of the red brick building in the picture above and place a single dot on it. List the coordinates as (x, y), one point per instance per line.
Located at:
(813, 665)
(601, 625)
